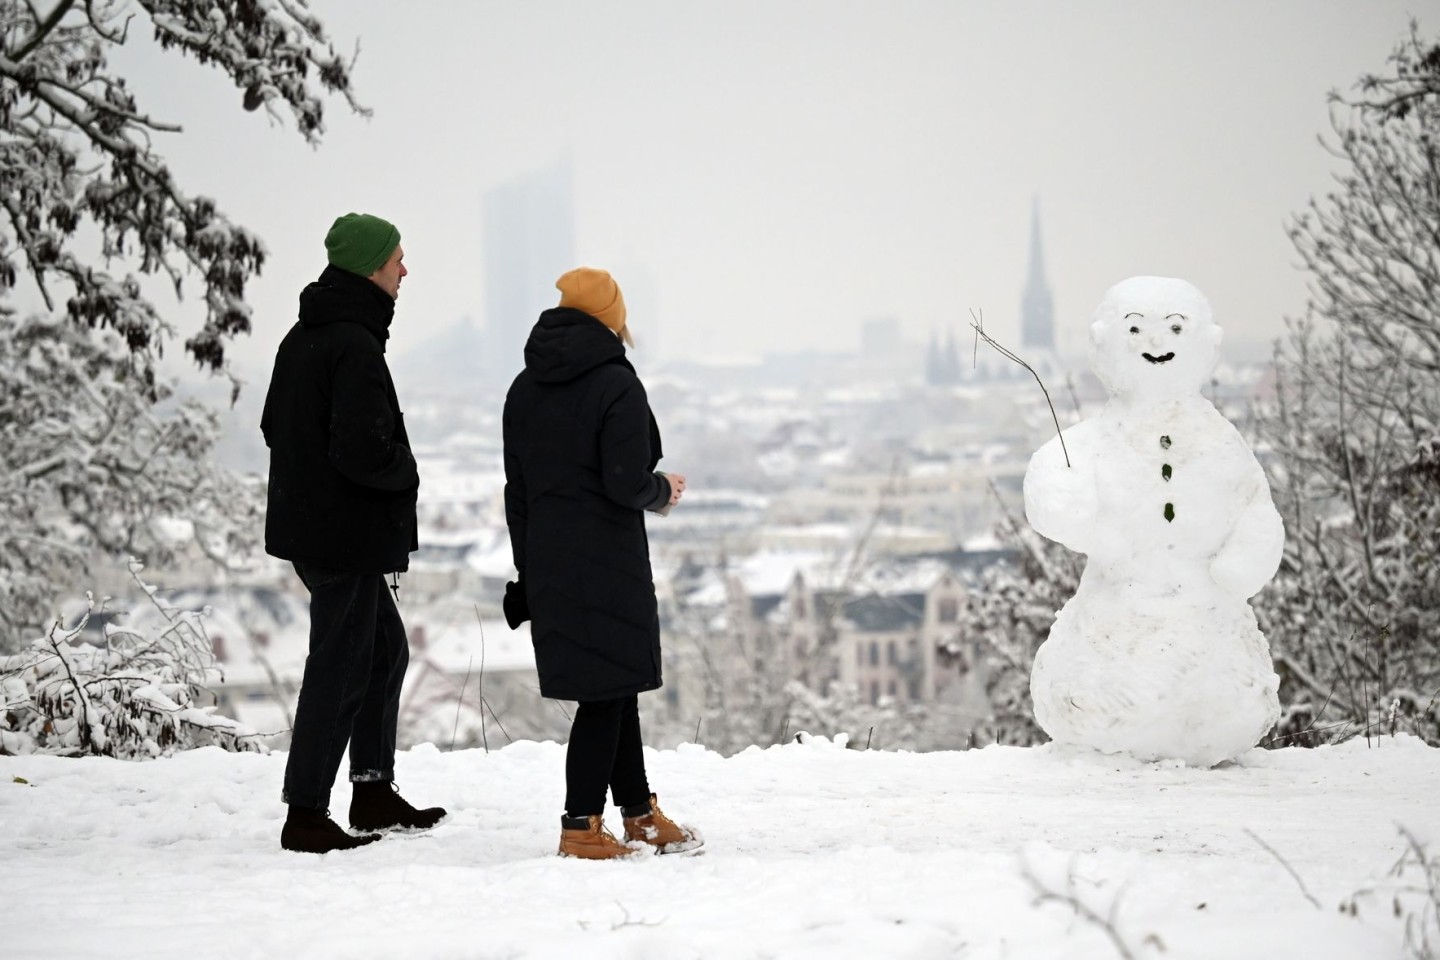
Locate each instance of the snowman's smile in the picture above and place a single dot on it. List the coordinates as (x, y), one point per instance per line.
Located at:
(1163, 358)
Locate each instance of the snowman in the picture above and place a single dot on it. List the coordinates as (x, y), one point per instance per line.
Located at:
(1158, 655)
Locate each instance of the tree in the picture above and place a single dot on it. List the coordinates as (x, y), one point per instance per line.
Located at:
(1409, 92)
(89, 464)
(1354, 615)
(76, 150)
(94, 460)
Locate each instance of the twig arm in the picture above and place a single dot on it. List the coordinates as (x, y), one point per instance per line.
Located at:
(977, 323)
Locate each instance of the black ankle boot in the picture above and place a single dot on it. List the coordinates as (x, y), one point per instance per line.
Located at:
(377, 805)
(312, 831)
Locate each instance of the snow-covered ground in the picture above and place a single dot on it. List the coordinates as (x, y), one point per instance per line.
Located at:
(813, 851)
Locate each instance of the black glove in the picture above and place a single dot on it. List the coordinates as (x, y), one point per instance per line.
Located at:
(516, 607)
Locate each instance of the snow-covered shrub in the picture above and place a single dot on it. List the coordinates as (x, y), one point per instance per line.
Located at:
(842, 711)
(133, 696)
(1354, 429)
(1007, 614)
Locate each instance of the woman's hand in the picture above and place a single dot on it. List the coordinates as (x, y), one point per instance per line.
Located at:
(677, 486)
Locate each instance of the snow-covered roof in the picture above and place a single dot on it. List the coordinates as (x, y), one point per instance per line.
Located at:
(493, 557)
(466, 644)
(771, 573)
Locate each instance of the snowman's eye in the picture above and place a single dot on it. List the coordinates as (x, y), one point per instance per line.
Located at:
(1175, 328)
(1134, 329)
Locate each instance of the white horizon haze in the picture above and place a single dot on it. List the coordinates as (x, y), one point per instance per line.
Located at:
(784, 172)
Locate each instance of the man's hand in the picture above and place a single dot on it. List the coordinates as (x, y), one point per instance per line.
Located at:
(677, 486)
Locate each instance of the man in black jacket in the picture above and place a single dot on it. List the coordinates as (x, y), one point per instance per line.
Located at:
(342, 510)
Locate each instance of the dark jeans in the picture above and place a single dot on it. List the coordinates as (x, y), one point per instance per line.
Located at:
(351, 689)
(605, 751)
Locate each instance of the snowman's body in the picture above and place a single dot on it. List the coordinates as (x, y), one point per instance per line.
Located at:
(1158, 654)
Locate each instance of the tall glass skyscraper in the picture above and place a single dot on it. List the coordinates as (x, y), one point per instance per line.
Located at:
(529, 236)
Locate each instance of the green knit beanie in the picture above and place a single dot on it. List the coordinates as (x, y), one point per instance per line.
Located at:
(361, 243)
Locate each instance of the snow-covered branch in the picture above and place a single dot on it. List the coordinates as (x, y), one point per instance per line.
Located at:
(76, 149)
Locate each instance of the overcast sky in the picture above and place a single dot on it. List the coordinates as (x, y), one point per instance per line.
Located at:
(789, 168)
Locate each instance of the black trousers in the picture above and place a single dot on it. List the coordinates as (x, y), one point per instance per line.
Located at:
(350, 693)
(605, 751)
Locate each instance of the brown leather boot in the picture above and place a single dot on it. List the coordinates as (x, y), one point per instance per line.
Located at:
(587, 838)
(662, 833)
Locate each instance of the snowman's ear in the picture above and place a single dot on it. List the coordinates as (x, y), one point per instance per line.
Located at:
(1097, 332)
(1215, 334)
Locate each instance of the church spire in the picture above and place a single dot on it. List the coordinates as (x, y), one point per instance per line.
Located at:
(1037, 311)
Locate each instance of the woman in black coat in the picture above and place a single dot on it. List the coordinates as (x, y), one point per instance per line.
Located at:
(580, 452)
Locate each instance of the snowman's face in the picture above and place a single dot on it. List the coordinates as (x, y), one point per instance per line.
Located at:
(1152, 339)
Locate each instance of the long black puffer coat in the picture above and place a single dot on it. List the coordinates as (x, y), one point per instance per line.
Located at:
(342, 479)
(580, 452)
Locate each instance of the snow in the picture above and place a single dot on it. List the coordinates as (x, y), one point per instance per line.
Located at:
(1158, 654)
(812, 851)
(983, 542)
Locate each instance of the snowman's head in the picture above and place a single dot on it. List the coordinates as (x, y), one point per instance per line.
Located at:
(1152, 338)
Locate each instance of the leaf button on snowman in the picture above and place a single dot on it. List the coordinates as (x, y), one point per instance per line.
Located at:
(1158, 654)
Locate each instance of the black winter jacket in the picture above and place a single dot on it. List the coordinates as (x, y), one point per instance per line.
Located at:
(580, 452)
(342, 478)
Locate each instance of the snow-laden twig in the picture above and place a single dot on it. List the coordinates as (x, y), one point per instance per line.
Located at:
(480, 684)
(1411, 891)
(480, 692)
(460, 702)
(1284, 863)
(91, 730)
(625, 920)
(1070, 896)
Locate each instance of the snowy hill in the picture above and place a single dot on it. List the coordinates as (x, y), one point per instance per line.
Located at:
(813, 851)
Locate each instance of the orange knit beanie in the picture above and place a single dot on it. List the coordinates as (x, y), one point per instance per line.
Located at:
(595, 292)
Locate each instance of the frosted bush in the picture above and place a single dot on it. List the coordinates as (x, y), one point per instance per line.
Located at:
(134, 696)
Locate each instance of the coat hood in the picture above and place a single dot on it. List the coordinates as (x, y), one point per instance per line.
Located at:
(340, 296)
(566, 343)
